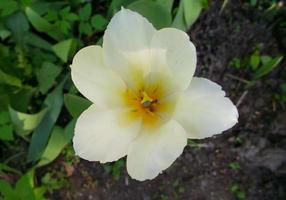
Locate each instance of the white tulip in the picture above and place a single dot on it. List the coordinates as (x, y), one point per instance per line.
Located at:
(146, 101)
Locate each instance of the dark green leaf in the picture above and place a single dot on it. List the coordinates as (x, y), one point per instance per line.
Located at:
(54, 102)
(42, 25)
(9, 80)
(85, 28)
(36, 41)
(6, 132)
(157, 14)
(75, 104)
(7, 191)
(267, 67)
(47, 75)
(18, 25)
(98, 22)
(69, 130)
(7, 7)
(85, 12)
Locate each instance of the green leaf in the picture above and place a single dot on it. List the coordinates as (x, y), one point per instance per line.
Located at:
(25, 186)
(54, 102)
(6, 132)
(69, 130)
(254, 61)
(24, 123)
(7, 191)
(267, 67)
(187, 13)
(9, 80)
(18, 25)
(47, 75)
(36, 41)
(85, 28)
(8, 7)
(42, 25)
(116, 5)
(192, 10)
(39, 23)
(98, 22)
(4, 118)
(75, 104)
(85, 12)
(168, 4)
(157, 14)
(55, 145)
(179, 20)
(62, 49)
(4, 34)
(25, 94)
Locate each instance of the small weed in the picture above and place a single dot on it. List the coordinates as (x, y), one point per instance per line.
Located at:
(115, 169)
(235, 189)
(234, 165)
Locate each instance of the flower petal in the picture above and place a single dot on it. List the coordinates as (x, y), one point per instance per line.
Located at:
(126, 42)
(102, 135)
(172, 50)
(203, 110)
(93, 79)
(155, 150)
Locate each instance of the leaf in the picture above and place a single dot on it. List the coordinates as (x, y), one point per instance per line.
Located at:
(98, 22)
(42, 25)
(85, 28)
(25, 186)
(9, 80)
(47, 75)
(158, 15)
(18, 25)
(187, 13)
(75, 104)
(254, 61)
(116, 5)
(85, 12)
(62, 49)
(25, 94)
(7, 191)
(179, 20)
(267, 67)
(8, 7)
(36, 41)
(6, 132)
(54, 102)
(192, 10)
(24, 123)
(69, 130)
(4, 118)
(39, 23)
(4, 34)
(168, 4)
(55, 145)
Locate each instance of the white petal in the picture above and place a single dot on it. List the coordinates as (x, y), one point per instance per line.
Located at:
(172, 50)
(102, 135)
(126, 42)
(203, 110)
(154, 151)
(93, 79)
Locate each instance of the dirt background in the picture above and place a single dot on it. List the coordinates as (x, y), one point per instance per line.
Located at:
(257, 143)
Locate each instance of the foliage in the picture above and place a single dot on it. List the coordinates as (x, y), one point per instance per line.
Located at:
(38, 39)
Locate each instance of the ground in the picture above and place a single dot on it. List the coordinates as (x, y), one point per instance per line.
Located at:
(245, 162)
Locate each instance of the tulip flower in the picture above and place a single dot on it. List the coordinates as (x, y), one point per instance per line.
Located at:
(146, 102)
